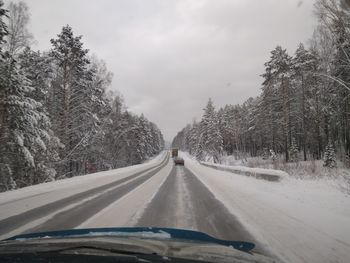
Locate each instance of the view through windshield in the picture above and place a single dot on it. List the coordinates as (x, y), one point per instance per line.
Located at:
(217, 129)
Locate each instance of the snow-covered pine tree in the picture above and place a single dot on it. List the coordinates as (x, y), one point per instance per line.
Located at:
(306, 98)
(210, 134)
(3, 27)
(195, 140)
(329, 156)
(38, 71)
(70, 99)
(335, 17)
(265, 153)
(226, 128)
(277, 93)
(98, 102)
(116, 140)
(145, 137)
(304, 66)
(157, 144)
(6, 180)
(273, 155)
(293, 151)
(132, 140)
(22, 132)
(129, 139)
(322, 98)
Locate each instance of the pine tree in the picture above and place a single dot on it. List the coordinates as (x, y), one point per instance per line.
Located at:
(27, 143)
(3, 27)
(210, 134)
(47, 100)
(277, 90)
(99, 105)
(265, 154)
(37, 70)
(70, 99)
(273, 155)
(304, 67)
(305, 100)
(293, 151)
(329, 156)
(22, 133)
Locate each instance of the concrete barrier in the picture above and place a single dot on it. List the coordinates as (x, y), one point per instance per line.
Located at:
(259, 173)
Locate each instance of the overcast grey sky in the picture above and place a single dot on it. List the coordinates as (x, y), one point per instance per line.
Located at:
(168, 57)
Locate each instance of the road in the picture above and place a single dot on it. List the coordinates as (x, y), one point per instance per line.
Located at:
(161, 195)
(294, 220)
(184, 202)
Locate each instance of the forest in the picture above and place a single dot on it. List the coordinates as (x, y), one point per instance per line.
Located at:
(303, 110)
(58, 115)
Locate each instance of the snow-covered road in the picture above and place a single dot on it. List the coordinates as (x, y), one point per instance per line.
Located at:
(46, 206)
(296, 221)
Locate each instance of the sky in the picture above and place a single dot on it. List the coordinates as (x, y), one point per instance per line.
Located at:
(169, 57)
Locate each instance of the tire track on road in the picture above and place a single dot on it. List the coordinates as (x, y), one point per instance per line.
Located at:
(202, 212)
(14, 222)
(171, 206)
(77, 215)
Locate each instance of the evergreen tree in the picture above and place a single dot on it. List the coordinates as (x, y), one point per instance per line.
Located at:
(3, 27)
(304, 66)
(22, 129)
(329, 156)
(70, 97)
(211, 138)
(304, 101)
(273, 155)
(293, 151)
(277, 87)
(56, 119)
(38, 71)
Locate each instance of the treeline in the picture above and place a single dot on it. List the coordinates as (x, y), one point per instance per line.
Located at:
(303, 110)
(57, 118)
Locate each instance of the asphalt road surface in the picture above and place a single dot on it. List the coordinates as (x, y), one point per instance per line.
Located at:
(184, 202)
(181, 201)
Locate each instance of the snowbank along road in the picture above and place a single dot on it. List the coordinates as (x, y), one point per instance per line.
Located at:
(194, 197)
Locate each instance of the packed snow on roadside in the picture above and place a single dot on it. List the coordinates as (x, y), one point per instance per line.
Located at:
(274, 175)
(24, 199)
(298, 220)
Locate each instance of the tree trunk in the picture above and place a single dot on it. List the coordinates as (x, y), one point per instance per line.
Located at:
(286, 119)
(304, 117)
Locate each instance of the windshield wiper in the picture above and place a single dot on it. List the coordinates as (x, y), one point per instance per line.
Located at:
(106, 249)
(141, 232)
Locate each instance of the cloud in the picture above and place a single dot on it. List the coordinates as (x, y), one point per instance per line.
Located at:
(169, 57)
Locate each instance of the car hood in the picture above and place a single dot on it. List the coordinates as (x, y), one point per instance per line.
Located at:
(167, 242)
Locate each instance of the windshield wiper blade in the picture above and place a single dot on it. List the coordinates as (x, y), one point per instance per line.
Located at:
(105, 249)
(156, 233)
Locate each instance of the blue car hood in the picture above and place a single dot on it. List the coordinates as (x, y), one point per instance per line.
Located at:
(141, 232)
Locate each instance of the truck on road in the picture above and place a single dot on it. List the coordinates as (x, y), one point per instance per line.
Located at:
(174, 152)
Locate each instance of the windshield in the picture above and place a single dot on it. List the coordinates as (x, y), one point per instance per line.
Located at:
(229, 117)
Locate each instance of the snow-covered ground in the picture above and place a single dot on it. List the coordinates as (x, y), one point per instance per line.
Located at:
(24, 199)
(298, 220)
(302, 169)
(268, 174)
